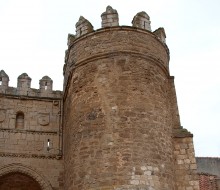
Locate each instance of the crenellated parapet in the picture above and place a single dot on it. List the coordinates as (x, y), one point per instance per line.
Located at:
(110, 18)
(107, 39)
(24, 87)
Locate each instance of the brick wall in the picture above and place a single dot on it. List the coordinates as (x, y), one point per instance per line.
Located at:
(185, 164)
(208, 182)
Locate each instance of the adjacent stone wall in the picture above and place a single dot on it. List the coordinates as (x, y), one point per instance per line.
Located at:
(209, 165)
(185, 164)
(24, 87)
(27, 145)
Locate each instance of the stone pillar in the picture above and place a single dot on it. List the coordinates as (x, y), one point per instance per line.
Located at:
(4, 80)
(83, 26)
(142, 20)
(109, 17)
(23, 84)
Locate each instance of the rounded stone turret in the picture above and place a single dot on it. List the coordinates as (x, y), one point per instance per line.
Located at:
(23, 84)
(118, 125)
(4, 80)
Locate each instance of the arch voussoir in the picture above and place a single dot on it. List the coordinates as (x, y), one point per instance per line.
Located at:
(33, 173)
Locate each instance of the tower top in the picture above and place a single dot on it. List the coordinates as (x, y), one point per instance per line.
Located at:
(110, 18)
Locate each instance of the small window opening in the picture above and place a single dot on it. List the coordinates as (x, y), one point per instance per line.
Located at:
(19, 120)
(48, 144)
(0, 80)
(45, 85)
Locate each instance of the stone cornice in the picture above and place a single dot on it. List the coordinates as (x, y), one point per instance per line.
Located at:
(28, 131)
(38, 156)
(23, 97)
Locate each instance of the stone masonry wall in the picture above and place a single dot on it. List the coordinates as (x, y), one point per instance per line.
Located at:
(119, 39)
(117, 113)
(28, 143)
(49, 169)
(185, 164)
(117, 129)
(121, 127)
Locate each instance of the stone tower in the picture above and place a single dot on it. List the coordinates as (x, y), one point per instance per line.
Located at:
(121, 121)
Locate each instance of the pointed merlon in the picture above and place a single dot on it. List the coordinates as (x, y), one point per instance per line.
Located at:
(160, 33)
(4, 80)
(83, 26)
(110, 17)
(46, 85)
(142, 20)
(24, 81)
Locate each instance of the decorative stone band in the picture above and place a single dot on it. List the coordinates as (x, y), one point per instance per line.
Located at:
(32, 172)
(39, 156)
(28, 131)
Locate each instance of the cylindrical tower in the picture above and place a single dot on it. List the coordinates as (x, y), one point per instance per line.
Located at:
(117, 116)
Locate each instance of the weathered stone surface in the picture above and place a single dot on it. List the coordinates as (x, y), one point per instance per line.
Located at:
(185, 164)
(118, 118)
(26, 145)
(109, 17)
(83, 26)
(160, 33)
(142, 20)
(117, 113)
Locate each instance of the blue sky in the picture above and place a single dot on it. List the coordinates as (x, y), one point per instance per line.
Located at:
(33, 37)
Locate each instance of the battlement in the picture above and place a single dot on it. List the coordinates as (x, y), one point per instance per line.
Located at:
(110, 18)
(88, 43)
(24, 87)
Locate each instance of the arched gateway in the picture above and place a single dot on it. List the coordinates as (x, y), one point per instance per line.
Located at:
(17, 176)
